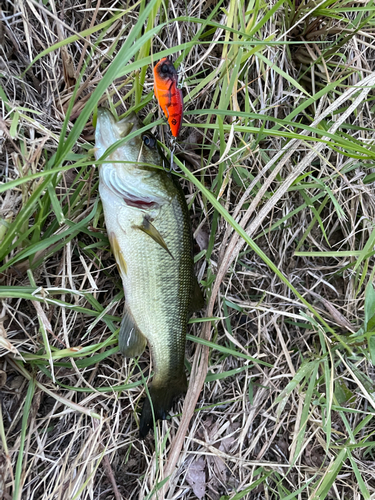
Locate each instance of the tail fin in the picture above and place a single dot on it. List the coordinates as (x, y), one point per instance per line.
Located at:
(160, 401)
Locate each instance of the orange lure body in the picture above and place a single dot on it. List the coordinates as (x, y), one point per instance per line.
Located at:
(167, 93)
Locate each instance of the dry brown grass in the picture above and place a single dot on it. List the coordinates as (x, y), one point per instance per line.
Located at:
(69, 420)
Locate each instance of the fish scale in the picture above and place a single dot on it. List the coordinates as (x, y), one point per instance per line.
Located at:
(148, 282)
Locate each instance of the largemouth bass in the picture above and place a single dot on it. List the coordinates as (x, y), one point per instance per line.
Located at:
(149, 231)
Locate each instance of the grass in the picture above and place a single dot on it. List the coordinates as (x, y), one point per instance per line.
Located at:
(276, 161)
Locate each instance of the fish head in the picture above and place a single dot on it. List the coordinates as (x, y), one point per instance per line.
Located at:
(129, 169)
(141, 149)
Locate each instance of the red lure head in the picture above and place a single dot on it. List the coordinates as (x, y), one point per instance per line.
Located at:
(167, 93)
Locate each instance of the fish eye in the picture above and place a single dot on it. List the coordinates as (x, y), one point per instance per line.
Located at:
(165, 68)
(149, 141)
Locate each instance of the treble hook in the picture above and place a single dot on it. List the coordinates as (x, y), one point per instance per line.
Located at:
(173, 149)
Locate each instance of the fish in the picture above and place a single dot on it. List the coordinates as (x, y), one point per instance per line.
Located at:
(168, 95)
(149, 231)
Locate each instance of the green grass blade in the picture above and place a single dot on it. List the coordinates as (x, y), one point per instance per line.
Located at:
(21, 460)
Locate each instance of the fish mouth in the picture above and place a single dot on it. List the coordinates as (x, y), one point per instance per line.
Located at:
(110, 130)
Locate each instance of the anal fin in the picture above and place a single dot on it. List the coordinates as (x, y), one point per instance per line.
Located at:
(131, 340)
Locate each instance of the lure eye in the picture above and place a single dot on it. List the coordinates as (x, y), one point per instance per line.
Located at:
(165, 68)
(149, 141)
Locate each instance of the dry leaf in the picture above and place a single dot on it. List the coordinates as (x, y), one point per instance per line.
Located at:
(314, 456)
(221, 470)
(196, 477)
(68, 67)
(202, 236)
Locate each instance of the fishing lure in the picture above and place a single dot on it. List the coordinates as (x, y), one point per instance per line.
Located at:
(167, 93)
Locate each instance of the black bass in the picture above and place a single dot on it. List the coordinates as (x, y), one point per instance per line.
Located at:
(149, 231)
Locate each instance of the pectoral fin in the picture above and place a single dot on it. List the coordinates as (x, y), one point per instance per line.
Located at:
(131, 340)
(117, 252)
(151, 230)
